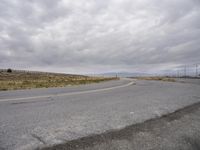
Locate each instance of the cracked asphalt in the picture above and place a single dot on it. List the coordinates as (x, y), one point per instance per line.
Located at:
(41, 122)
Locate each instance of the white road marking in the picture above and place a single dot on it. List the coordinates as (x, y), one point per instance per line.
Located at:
(68, 94)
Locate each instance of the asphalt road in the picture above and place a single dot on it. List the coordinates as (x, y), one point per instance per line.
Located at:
(179, 130)
(42, 117)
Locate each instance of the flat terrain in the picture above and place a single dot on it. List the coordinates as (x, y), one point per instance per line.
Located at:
(39, 118)
(167, 79)
(27, 80)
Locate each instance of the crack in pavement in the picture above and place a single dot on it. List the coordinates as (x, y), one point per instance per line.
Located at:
(38, 138)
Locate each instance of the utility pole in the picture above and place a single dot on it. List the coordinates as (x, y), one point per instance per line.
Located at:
(196, 70)
(178, 74)
(185, 71)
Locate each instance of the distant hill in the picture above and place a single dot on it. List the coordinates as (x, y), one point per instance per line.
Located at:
(124, 74)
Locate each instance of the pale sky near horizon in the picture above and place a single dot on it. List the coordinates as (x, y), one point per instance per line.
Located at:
(95, 36)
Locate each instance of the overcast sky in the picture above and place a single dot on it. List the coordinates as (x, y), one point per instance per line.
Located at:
(95, 36)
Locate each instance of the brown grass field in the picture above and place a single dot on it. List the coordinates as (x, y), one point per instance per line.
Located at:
(27, 80)
(157, 79)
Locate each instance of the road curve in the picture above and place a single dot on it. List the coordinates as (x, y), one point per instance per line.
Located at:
(70, 93)
(56, 116)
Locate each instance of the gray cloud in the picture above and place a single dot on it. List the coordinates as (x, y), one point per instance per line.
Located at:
(99, 36)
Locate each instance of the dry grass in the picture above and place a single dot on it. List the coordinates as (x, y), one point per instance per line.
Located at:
(25, 80)
(157, 79)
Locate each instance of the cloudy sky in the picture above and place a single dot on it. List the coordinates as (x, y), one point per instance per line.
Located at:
(95, 36)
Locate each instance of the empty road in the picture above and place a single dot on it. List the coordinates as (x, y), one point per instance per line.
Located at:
(43, 117)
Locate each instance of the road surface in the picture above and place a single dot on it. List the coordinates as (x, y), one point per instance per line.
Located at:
(43, 117)
(179, 130)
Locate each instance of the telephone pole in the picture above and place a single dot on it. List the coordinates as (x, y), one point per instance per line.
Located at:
(185, 71)
(178, 74)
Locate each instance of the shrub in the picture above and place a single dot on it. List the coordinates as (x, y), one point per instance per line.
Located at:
(9, 70)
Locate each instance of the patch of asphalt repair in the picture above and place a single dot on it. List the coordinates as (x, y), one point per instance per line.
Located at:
(179, 130)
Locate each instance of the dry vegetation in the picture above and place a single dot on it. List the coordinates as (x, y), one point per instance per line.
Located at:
(27, 80)
(157, 79)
